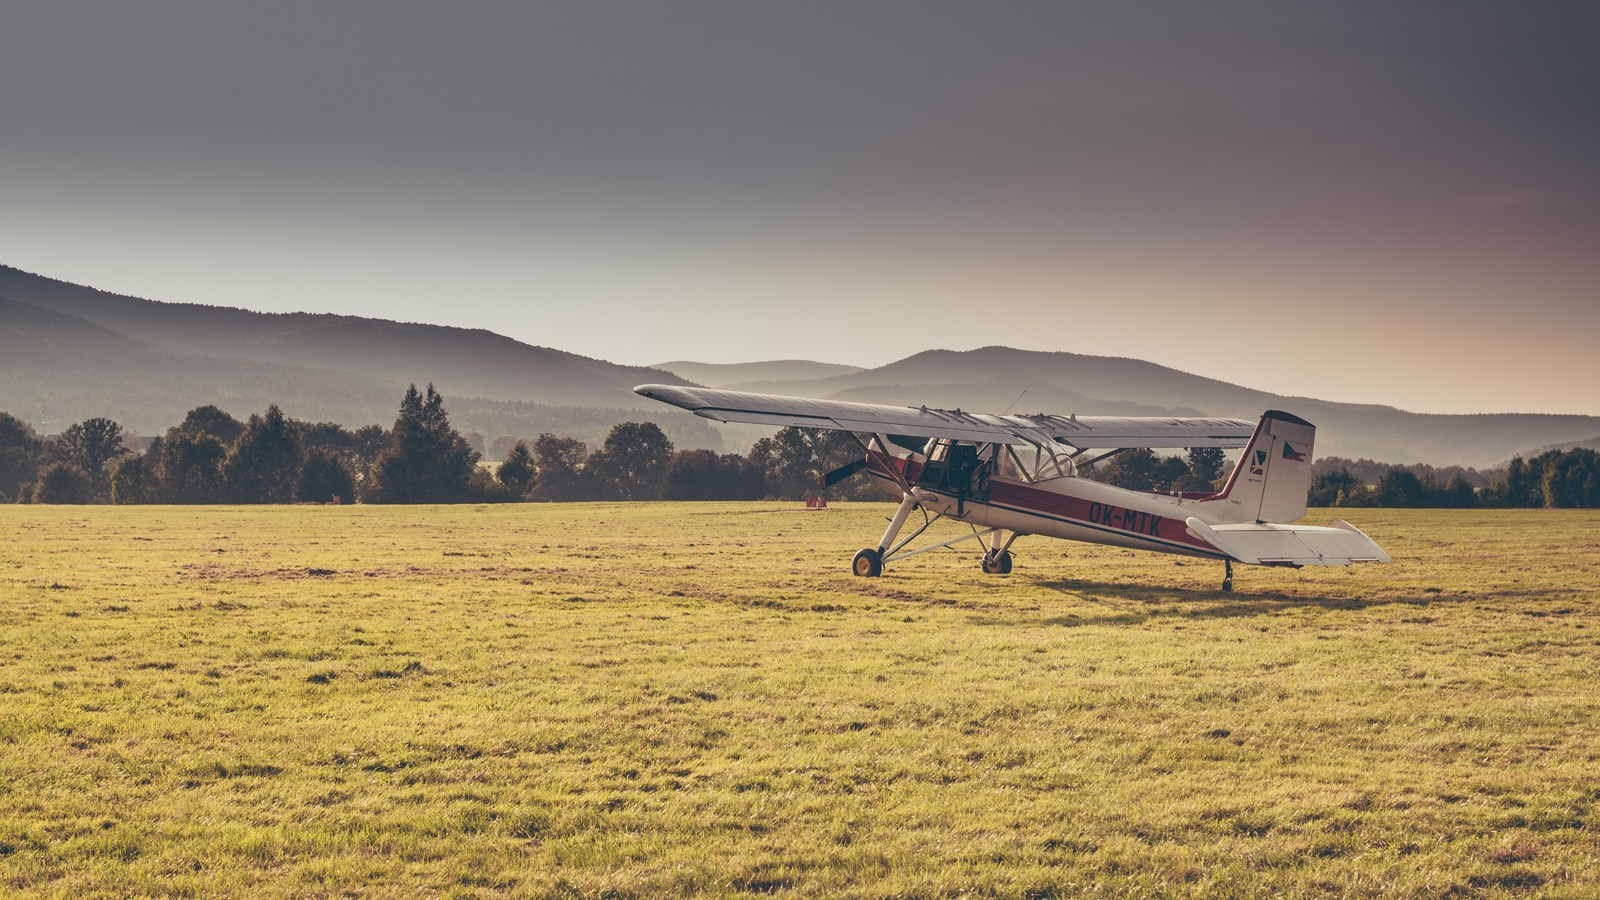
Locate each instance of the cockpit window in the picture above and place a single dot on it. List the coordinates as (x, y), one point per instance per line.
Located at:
(1033, 464)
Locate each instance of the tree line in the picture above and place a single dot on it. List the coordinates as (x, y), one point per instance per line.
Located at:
(212, 457)
(1555, 479)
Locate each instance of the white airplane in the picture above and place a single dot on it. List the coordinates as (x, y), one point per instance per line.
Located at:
(1020, 474)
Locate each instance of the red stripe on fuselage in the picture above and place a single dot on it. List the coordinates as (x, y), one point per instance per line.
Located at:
(1166, 525)
(1158, 527)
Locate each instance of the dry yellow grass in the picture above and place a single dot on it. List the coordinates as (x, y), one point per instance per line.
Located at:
(614, 700)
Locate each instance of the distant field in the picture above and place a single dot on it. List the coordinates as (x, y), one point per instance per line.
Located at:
(620, 700)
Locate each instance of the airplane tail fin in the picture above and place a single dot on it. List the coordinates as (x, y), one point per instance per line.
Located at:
(1273, 476)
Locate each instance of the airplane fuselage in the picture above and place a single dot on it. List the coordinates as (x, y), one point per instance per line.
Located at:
(1072, 508)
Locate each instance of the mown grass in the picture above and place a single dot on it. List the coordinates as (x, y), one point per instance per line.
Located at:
(615, 700)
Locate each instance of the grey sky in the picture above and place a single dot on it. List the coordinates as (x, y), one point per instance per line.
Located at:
(1356, 201)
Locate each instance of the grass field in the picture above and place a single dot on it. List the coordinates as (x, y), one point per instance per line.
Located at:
(616, 700)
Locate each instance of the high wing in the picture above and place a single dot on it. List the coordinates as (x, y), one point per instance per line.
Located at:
(1081, 432)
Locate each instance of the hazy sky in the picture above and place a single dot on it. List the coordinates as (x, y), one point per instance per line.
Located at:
(1380, 202)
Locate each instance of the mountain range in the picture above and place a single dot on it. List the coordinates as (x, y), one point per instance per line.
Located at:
(1001, 378)
(68, 352)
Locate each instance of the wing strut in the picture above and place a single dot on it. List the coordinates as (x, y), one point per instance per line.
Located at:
(882, 443)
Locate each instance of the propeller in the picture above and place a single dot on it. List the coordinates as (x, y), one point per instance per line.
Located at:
(843, 472)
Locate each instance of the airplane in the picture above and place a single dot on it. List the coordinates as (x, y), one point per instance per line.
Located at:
(1023, 475)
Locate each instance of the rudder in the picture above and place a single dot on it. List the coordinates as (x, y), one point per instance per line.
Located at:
(1273, 475)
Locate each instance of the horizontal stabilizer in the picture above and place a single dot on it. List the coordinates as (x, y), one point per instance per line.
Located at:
(1290, 545)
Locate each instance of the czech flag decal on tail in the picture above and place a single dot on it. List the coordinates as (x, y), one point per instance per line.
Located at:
(1289, 452)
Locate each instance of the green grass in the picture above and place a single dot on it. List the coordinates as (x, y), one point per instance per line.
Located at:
(615, 700)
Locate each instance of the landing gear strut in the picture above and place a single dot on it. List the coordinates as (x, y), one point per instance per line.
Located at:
(1227, 575)
(997, 556)
(869, 563)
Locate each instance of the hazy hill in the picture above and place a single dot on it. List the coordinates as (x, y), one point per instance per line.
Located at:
(1589, 444)
(68, 353)
(459, 361)
(724, 374)
(990, 380)
(59, 369)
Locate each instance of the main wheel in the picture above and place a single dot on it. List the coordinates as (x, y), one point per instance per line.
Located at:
(998, 565)
(867, 563)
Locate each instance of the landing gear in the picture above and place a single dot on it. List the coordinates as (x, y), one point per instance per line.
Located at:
(997, 563)
(997, 555)
(1227, 577)
(869, 563)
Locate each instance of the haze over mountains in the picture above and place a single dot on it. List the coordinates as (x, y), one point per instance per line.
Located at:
(781, 370)
(70, 352)
(1000, 378)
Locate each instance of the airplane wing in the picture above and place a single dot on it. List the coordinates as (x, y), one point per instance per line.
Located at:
(1290, 545)
(1081, 432)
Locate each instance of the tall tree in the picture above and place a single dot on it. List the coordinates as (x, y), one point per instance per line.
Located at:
(1135, 469)
(62, 482)
(329, 436)
(265, 460)
(560, 462)
(191, 467)
(1330, 488)
(517, 472)
(1170, 474)
(89, 445)
(20, 451)
(1523, 487)
(632, 463)
(366, 443)
(785, 461)
(1205, 463)
(427, 461)
(132, 481)
(1458, 493)
(213, 421)
(1401, 488)
(323, 476)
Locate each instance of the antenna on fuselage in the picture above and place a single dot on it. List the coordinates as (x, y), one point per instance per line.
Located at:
(1014, 403)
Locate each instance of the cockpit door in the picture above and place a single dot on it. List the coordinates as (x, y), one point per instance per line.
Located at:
(956, 468)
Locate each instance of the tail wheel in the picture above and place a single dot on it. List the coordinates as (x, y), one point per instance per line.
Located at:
(867, 563)
(999, 564)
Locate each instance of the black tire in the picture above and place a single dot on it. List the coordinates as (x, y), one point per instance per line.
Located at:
(998, 565)
(867, 564)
